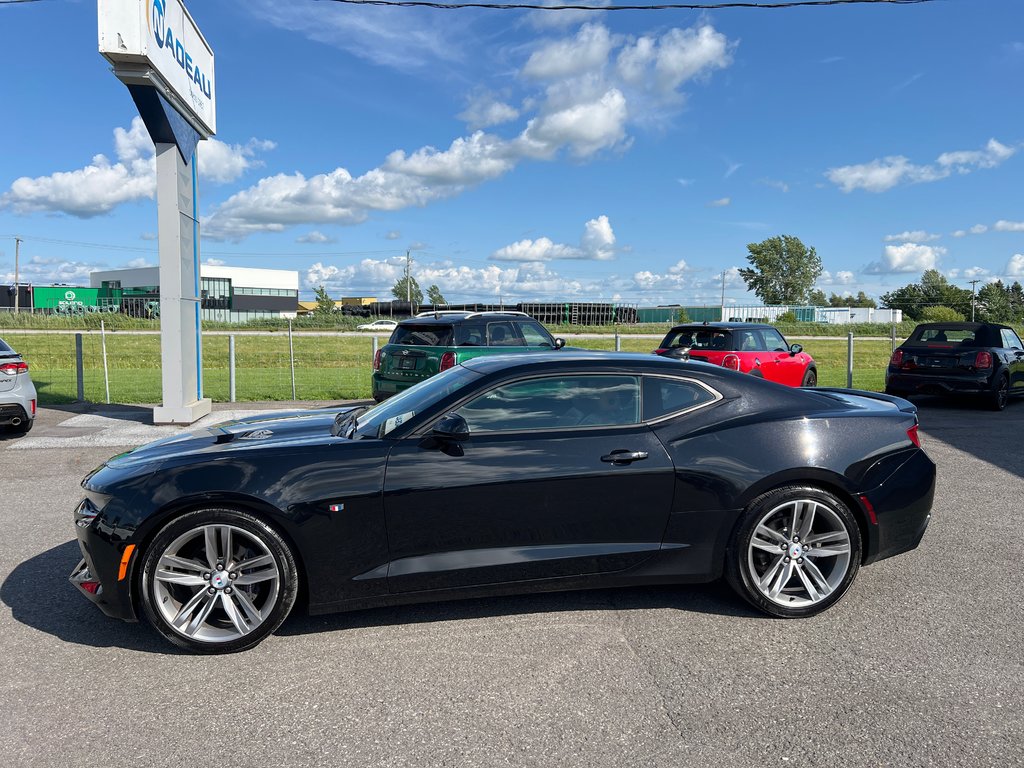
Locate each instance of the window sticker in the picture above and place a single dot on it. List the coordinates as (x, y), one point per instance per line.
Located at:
(397, 421)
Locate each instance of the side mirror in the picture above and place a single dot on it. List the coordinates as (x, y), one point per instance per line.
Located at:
(451, 427)
(795, 349)
(559, 343)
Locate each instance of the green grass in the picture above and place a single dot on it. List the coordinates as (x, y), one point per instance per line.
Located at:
(326, 367)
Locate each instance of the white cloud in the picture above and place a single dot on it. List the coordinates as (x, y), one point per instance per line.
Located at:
(1015, 266)
(148, 236)
(720, 203)
(1009, 226)
(584, 128)
(960, 233)
(561, 19)
(587, 51)
(978, 229)
(908, 257)
(394, 234)
(315, 236)
(597, 243)
(885, 173)
(916, 236)
(484, 110)
(776, 184)
(48, 269)
(841, 277)
(103, 185)
(215, 262)
(139, 263)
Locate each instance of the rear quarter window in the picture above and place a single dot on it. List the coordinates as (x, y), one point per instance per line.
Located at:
(4, 347)
(423, 335)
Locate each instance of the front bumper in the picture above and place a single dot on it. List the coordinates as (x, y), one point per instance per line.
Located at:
(103, 574)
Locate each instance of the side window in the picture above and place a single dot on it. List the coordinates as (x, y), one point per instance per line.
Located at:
(555, 403)
(664, 396)
(748, 341)
(535, 335)
(503, 334)
(471, 335)
(1010, 339)
(774, 341)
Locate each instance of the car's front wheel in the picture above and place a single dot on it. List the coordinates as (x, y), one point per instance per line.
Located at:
(795, 552)
(218, 581)
(810, 378)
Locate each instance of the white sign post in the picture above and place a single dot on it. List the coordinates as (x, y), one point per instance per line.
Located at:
(157, 50)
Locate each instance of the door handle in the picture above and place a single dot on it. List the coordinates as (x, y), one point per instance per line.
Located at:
(624, 457)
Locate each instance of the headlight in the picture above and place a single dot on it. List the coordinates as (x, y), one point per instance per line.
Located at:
(85, 513)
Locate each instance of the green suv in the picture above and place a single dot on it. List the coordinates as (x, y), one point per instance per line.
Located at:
(435, 341)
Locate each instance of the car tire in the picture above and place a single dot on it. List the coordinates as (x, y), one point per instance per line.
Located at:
(998, 398)
(198, 591)
(819, 563)
(810, 378)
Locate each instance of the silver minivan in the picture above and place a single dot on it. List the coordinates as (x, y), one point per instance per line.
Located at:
(17, 393)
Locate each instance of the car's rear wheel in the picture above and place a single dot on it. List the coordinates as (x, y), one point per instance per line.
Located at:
(795, 552)
(998, 397)
(218, 581)
(810, 378)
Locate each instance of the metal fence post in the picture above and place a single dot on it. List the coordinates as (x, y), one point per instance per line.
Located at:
(79, 368)
(291, 357)
(893, 334)
(231, 368)
(618, 341)
(106, 372)
(849, 360)
(376, 343)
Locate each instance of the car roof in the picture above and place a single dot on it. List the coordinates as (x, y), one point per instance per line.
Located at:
(719, 326)
(450, 317)
(959, 326)
(570, 358)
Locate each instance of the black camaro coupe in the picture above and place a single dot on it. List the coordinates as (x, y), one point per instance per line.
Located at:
(507, 475)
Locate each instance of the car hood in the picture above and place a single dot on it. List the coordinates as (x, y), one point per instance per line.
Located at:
(255, 432)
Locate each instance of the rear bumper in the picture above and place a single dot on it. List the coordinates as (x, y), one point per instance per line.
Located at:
(901, 382)
(902, 509)
(383, 387)
(13, 414)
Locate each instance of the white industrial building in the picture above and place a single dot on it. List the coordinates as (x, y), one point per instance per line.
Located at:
(229, 294)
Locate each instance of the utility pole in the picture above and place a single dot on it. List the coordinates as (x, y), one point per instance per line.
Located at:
(974, 293)
(408, 281)
(17, 289)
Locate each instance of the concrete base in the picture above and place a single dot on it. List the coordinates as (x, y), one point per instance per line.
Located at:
(186, 414)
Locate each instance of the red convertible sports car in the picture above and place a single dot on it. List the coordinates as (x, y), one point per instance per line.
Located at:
(759, 350)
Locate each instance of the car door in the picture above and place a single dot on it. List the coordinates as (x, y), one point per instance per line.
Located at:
(784, 368)
(1015, 350)
(558, 478)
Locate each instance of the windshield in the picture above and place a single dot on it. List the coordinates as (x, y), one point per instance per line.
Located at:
(395, 411)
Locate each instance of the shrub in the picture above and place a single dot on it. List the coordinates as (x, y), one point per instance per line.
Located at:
(941, 315)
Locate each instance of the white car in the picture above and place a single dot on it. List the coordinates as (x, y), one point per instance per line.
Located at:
(17, 393)
(378, 325)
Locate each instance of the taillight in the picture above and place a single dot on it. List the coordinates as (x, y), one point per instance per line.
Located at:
(13, 369)
(897, 358)
(914, 437)
(376, 360)
(732, 362)
(33, 401)
(983, 360)
(659, 351)
(447, 361)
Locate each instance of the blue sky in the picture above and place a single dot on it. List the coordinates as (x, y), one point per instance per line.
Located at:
(539, 155)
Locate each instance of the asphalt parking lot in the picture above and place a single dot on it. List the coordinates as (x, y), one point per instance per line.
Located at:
(922, 663)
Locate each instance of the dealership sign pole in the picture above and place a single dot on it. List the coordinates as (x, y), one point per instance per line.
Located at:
(157, 50)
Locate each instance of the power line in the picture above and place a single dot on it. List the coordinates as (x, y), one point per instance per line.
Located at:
(656, 7)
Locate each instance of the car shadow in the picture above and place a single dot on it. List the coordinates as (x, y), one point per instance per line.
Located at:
(39, 595)
(964, 424)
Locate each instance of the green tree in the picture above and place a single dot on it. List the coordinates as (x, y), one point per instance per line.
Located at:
(324, 303)
(860, 300)
(782, 270)
(941, 315)
(413, 292)
(818, 298)
(434, 295)
(934, 290)
(994, 304)
(684, 316)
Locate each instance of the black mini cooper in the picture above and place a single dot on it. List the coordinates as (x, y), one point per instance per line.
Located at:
(981, 359)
